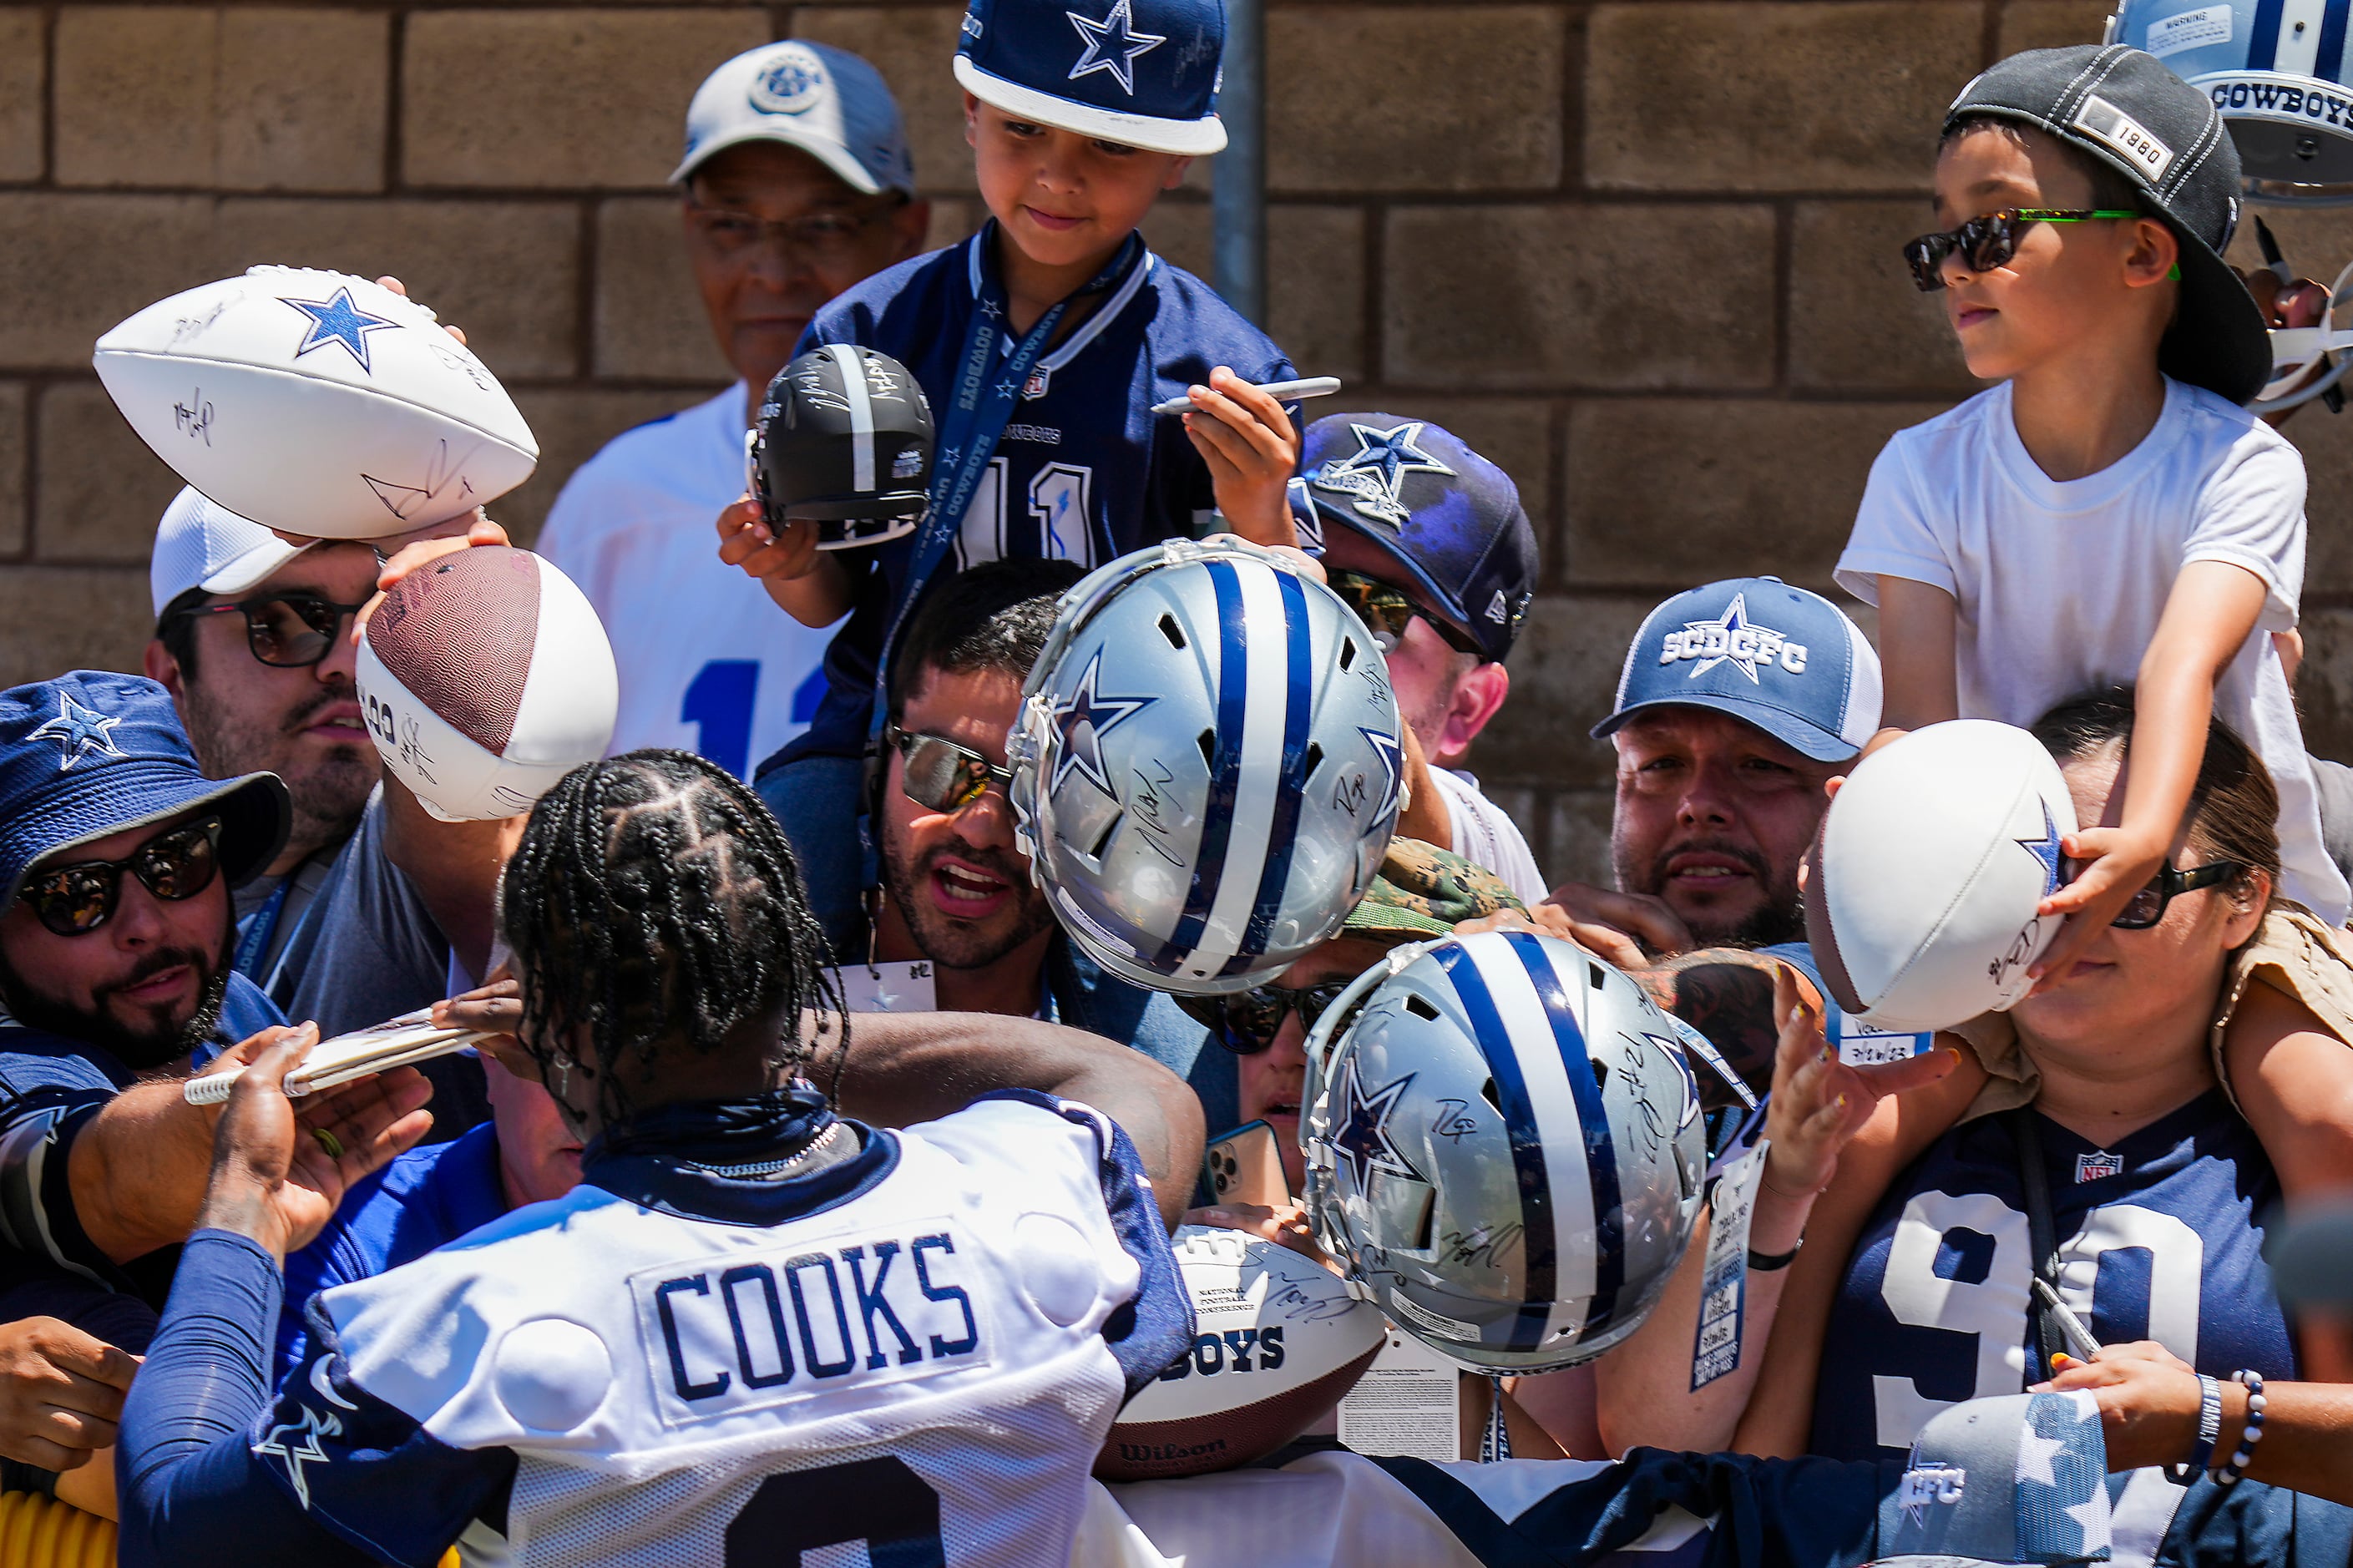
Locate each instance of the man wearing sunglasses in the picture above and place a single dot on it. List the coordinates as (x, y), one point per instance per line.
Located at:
(116, 859)
(797, 183)
(1428, 542)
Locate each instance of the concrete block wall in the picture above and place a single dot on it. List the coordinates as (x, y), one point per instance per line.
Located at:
(1643, 254)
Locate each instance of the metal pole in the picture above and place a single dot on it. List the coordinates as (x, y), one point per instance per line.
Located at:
(1237, 196)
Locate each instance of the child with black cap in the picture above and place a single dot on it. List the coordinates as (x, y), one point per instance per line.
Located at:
(2109, 512)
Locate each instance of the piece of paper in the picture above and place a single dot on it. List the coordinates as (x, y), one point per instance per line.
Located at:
(1723, 1287)
(1408, 1403)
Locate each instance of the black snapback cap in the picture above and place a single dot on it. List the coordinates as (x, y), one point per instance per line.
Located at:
(2124, 107)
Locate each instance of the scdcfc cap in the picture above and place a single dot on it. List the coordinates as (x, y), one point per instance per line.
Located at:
(1782, 658)
(1143, 73)
(828, 103)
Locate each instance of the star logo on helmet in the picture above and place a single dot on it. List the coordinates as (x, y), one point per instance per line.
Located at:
(335, 319)
(1362, 1135)
(1389, 753)
(296, 1444)
(1081, 720)
(2045, 850)
(80, 732)
(1113, 45)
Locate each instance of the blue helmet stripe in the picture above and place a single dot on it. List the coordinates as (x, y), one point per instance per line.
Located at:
(2263, 48)
(1225, 774)
(1284, 832)
(1600, 1148)
(1539, 1240)
(2330, 65)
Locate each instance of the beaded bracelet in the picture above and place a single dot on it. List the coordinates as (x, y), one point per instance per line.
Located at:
(2252, 1382)
(2210, 1427)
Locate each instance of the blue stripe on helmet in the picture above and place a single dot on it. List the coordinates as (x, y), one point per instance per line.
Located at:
(2263, 48)
(1600, 1148)
(1225, 773)
(1539, 1240)
(1283, 833)
(2330, 65)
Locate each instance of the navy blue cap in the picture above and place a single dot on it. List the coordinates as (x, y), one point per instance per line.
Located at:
(1143, 73)
(1452, 519)
(1786, 660)
(92, 752)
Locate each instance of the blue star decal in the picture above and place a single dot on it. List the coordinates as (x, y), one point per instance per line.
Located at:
(80, 732)
(1392, 453)
(336, 319)
(2045, 850)
(1113, 45)
(1390, 754)
(1081, 722)
(1362, 1135)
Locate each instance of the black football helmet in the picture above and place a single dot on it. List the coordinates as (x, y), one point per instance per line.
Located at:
(844, 439)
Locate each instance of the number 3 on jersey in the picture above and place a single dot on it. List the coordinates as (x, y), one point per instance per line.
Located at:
(1963, 1264)
(1060, 525)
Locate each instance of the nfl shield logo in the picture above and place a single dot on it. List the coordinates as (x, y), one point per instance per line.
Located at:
(2098, 1167)
(1035, 388)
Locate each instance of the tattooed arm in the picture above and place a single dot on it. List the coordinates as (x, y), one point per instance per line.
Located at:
(1726, 994)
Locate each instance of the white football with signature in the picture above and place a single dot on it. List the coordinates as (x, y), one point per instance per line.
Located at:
(1278, 1341)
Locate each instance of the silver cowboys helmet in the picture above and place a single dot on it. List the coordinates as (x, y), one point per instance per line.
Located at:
(1504, 1147)
(1206, 766)
(2276, 74)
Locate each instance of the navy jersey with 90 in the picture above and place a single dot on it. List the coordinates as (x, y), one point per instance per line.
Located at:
(1084, 471)
(2159, 1235)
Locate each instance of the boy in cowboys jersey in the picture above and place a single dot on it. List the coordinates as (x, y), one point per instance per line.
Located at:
(1043, 343)
(796, 183)
(755, 1328)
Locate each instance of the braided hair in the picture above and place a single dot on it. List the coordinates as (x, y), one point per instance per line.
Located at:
(655, 905)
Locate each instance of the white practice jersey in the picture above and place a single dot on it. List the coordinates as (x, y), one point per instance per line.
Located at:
(709, 663)
(923, 1355)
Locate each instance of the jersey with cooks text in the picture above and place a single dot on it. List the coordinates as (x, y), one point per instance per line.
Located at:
(919, 1347)
(1084, 471)
(2159, 1235)
(708, 663)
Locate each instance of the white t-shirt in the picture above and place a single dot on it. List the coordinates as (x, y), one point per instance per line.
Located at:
(1486, 836)
(709, 663)
(2059, 584)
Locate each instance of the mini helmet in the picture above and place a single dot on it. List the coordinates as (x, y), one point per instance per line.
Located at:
(1206, 766)
(1504, 1147)
(843, 439)
(2275, 73)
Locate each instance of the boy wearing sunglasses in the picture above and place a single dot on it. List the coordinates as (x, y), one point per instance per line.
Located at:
(2108, 513)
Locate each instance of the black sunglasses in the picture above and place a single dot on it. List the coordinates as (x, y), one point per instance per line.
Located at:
(2147, 907)
(1246, 1022)
(1386, 611)
(940, 775)
(1988, 242)
(286, 631)
(77, 899)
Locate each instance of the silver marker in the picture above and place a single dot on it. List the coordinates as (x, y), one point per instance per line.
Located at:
(1280, 390)
(2080, 1337)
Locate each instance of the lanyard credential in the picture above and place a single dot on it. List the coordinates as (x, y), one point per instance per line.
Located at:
(254, 946)
(978, 407)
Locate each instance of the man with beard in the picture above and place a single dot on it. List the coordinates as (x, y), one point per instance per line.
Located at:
(117, 857)
(253, 640)
(956, 891)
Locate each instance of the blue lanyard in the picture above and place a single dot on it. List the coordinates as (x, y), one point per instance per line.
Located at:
(254, 945)
(979, 408)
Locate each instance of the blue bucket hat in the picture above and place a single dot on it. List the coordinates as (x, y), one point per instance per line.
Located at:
(1143, 73)
(1786, 660)
(92, 753)
(1451, 517)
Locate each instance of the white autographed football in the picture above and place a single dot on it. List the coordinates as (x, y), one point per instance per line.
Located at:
(1922, 885)
(485, 676)
(1279, 1341)
(317, 403)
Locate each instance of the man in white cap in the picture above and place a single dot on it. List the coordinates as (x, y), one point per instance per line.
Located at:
(253, 640)
(797, 184)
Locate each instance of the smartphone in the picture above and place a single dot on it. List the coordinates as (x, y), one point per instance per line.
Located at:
(1245, 1166)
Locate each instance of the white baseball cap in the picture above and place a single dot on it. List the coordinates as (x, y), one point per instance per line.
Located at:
(826, 101)
(203, 544)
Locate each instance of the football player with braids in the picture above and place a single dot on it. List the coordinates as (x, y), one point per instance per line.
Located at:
(754, 1327)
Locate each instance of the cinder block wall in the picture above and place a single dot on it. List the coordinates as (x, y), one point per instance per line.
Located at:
(1642, 254)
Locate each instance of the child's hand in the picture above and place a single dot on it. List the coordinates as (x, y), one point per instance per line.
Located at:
(1252, 449)
(1820, 1102)
(746, 541)
(2118, 864)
